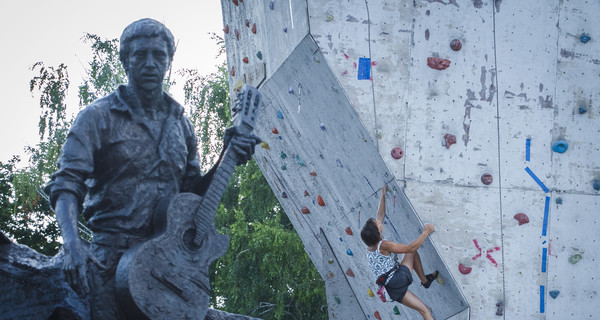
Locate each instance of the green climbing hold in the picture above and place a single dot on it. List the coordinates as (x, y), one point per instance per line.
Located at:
(330, 261)
(259, 55)
(283, 155)
(300, 162)
(337, 300)
(575, 258)
(396, 310)
(283, 167)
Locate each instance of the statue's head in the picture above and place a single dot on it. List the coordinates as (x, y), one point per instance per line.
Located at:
(144, 28)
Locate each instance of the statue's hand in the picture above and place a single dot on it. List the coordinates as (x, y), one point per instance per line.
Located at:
(243, 146)
(75, 266)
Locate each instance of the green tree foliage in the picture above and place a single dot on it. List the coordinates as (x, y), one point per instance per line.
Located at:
(265, 272)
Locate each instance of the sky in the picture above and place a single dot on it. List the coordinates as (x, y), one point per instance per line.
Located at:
(51, 31)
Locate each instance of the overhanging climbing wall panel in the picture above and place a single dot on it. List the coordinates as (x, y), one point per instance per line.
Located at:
(321, 150)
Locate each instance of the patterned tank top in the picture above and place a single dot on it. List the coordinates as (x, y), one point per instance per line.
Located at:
(380, 263)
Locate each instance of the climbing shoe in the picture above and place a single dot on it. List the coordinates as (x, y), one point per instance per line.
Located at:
(430, 277)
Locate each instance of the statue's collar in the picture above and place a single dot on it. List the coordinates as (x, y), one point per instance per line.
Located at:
(122, 105)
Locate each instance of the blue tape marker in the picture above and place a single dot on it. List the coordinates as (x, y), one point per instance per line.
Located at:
(546, 209)
(542, 293)
(544, 254)
(537, 180)
(364, 68)
(527, 149)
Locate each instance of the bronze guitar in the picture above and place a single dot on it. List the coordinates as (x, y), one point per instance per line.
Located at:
(167, 276)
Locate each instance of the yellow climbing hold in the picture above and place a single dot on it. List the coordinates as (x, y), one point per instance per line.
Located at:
(265, 145)
(329, 18)
(439, 278)
(238, 85)
(370, 292)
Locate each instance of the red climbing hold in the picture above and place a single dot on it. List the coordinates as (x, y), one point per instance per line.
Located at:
(306, 193)
(349, 231)
(450, 140)
(247, 23)
(438, 63)
(254, 28)
(455, 44)
(349, 272)
(226, 29)
(373, 63)
(274, 131)
(237, 34)
(346, 56)
(235, 2)
(487, 178)
(463, 269)
(305, 210)
(232, 72)
(522, 218)
(313, 173)
(377, 316)
(245, 59)
(320, 201)
(397, 153)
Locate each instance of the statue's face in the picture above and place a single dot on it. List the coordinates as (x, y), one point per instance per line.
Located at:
(147, 62)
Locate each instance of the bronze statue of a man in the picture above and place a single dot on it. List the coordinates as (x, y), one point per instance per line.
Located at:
(123, 154)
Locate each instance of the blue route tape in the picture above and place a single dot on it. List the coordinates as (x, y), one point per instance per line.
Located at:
(542, 294)
(527, 149)
(544, 255)
(537, 180)
(546, 209)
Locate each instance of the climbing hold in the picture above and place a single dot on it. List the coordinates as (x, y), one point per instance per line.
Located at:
(439, 278)
(338, 163)
(349, 272)
(232, 72)
(559, 200)
(299, 161)
(237, 34)
(337, 300)
(274, 131)
(329, 18)
(331, 274)
(247, 23)
(487, 178)
(265, 145)
(377, 316)
(254, 28)
(455, 45)
(320, 201)
(522, 218)
(597, 185)
(450, 140)
(322, 126)
(463, 269)
(499, 308)
(285, 29)
(245, 59)
(284, 195)
(235, 2)
(560, 146)
(226, 29)
(582, 110)
(427, 33)
(313, 173)
(330, 261)
(305, 210)
(283, 155)
(575, 258)
(345, 72)
(272, 5)
(370, 293)
(341, 239)
(397, 153)
(283, 167)
(291, 90)
(554, 293)
(396, 310)
(259, 55)
(349, 252)
(348, 231)
(306, 193)
(279, 114)
(238, 86)
(584, 38)
(438, 63)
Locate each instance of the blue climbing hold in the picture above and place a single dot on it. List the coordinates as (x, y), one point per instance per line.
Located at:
(322, 126)
(585, 38)
(300, 162)
(285, 29)
(559, 200)
(554, 293)
(341, 240)
(349, 252)
(279, 114)
(560, 146)
(582, 110)
(272, 5)
(597, 185)
(290, 90)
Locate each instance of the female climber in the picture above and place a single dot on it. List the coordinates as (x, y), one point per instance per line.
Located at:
(383, 259)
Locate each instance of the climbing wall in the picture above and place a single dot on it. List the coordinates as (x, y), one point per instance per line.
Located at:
(482, 117)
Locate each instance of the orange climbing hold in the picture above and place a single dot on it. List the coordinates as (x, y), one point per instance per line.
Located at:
(349, 231)
(313, 173)
(320, 201)
(305, 210)
(377, 316)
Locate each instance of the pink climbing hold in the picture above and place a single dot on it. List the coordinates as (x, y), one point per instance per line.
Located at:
(320, 201)
(487, 179)
(455, 45)
(305, 210)
(522, 218)
(349, 272)
(438, 63)
(397, 153)
(463, 269)
(346, 56)
(450, 140)
(348, 231)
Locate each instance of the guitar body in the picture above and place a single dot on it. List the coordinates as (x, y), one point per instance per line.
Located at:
(167, 276)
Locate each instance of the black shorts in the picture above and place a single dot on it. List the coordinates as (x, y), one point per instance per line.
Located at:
(398, 284)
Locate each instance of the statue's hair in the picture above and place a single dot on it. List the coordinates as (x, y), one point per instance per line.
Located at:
(145, 28)
(370, 233)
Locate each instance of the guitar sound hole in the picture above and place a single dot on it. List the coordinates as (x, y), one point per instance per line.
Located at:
(188, 239)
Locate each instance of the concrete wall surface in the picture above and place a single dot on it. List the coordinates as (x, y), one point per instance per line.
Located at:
(347, 81)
